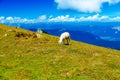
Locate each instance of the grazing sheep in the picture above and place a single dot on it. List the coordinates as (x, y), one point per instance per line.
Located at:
(64, 38)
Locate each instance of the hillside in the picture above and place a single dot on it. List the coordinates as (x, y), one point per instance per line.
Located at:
(24, 56)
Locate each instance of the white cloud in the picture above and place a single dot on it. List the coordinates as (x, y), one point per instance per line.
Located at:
(21, 20)
(115, 18)
(42, 18)
(61, 19)
(104, 17)
(67, 18)
(84, 5)
(96, 17)
(9, 18)
(15, 19)
(116, 28)
(2, 19)
(111, 1)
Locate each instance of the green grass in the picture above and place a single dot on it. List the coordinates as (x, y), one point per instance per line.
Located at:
(30, 58)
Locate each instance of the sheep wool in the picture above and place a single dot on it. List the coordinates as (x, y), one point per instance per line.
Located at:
(64, 38)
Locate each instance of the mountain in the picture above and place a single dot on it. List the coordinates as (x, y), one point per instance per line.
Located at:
(23, 56)
(86, 37)
(105, 34)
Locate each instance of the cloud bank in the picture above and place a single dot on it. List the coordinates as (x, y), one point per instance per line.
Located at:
(84, 5)
(61, 18)
(116, 28)
(93, 18)
(10, 19)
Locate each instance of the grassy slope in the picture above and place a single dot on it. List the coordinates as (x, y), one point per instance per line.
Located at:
(43, 58)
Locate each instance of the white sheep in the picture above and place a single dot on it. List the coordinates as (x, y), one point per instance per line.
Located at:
(64, 38)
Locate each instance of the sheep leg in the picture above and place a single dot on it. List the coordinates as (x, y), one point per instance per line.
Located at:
(67, 40)
(63, 41)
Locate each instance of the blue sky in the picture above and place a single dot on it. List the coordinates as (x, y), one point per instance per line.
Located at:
(59, 10)
(25, 8)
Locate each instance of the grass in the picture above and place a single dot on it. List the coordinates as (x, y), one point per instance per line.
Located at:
(30, 58)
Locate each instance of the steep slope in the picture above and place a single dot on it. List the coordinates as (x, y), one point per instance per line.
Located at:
(24, 56)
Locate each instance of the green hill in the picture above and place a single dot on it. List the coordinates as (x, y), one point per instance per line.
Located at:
(25, 56)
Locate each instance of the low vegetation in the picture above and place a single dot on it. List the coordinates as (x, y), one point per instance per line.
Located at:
(24, 56)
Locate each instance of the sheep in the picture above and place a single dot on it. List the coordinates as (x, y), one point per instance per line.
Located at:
(64, 38)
